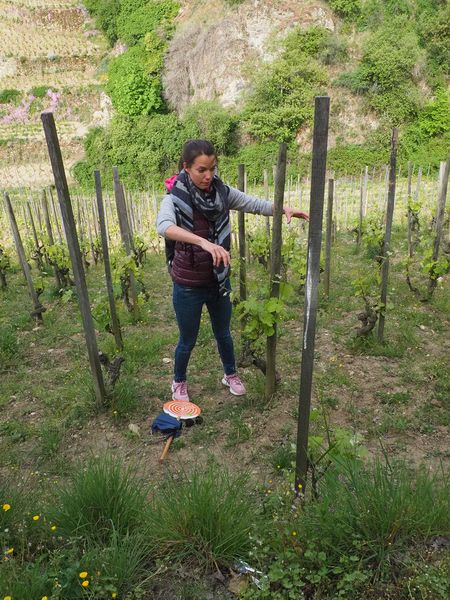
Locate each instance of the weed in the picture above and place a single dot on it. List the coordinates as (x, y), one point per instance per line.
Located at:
(9, 346)
(125, 397)
(204, 516)
(51, 435)
(283, 457)
(393, 398)
(239, 432)
(102, 497)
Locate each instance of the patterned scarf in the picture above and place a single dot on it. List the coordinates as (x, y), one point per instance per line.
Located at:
(214, 206)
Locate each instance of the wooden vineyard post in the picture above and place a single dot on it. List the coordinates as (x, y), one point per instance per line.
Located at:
(38, 308)
(275, 265)
(387, 234)
(241, 230)
(362, 203)
(48, 226)
(443, 183)
(62, 190)
(318, 173)
(38, 254)
(326, 280)
(125, 233)
(410, 216)
(55, 214)
(109, 285)
(266, 197)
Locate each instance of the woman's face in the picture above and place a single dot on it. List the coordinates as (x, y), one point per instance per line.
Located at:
(202, 171)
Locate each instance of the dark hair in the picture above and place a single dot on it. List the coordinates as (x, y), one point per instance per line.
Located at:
(194, 148)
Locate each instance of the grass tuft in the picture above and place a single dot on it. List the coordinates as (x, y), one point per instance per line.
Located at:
(204, 518)
(101, 499)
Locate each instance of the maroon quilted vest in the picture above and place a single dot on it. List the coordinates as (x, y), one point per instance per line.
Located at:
(191, 265)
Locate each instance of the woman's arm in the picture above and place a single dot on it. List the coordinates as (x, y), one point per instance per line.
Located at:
(218, 253)
(251, 204)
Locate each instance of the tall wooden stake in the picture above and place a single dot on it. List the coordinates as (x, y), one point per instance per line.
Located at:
(241, 230)
(445, 167)
(318, 173)
(109, 284)
(326, 280)
(125, 232)
(275, 265)
(62, 190)
(38, 308)
(387, 234)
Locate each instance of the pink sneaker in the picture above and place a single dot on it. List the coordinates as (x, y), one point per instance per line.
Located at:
(236, 386)
(179, 391)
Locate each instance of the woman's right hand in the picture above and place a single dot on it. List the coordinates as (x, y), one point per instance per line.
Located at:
(218, 253)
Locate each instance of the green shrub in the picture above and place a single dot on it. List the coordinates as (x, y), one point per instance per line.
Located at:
(390, 54)
(204, 517)
(132, 89)
(283, 99)
(351, 158)
(356, 81)
(39, 91)
(102, 499)
(283, 93)
(106, 13)
(7, 96)
(347, 9)
(138, 18)
(397, 105)
(207, 119)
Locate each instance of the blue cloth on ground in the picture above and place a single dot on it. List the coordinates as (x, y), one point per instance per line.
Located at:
(167, 424)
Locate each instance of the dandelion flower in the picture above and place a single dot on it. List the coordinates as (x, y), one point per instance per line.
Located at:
(44, 598)
(10, 551)
(53, 527)
(83, 574)
(294, 533)
(85, 583)
(5, 508)
(114, 595)
(7, 598)
(36, 517)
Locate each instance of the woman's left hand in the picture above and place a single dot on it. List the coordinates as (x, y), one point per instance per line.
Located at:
(293, 212)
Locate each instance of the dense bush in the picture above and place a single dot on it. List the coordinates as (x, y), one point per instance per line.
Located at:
(139, 17)
(142, 147)
(427, 139)
(209, 120)
(350, 159)
(132, 89)
(7, 96)
(348, 9)
(283, 92)
(106, 13)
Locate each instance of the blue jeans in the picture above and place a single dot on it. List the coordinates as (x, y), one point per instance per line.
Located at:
(188, 304)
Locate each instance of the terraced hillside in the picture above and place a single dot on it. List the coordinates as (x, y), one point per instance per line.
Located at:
(50, 58)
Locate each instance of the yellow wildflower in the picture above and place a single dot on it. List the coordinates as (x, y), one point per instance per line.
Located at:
(7, 598)
(10, 551)
(5, 508)
(294, 533)
(83, 574)
(85, 583)
(114, 595)
(53, 527)
(44, 598)
(36, 517)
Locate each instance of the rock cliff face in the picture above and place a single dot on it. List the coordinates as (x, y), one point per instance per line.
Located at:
(215, 45)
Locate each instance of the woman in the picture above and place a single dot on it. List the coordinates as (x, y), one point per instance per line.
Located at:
(195, 216)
